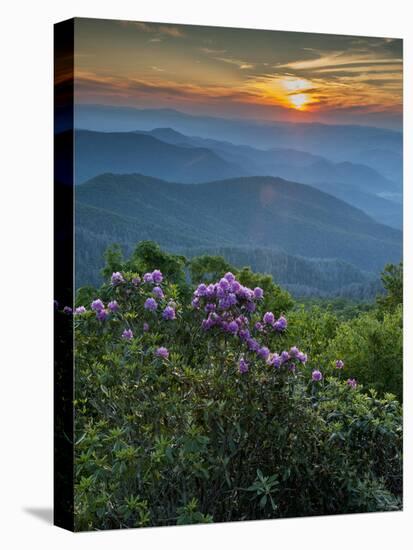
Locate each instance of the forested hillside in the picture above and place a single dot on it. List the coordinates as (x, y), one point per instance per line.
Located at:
(254, 217)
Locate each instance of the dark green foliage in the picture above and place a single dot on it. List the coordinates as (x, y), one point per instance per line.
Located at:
(343, 308)
(191, 440)
(148, 256)
(392, 279)
(275, 298)
(367, 432)
(372, 345)
(190, 514)
(368, 338)
(312, 330)
(208, 268)
(113, 260)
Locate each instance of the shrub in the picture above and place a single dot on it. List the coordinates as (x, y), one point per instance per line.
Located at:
(203, 409)
(373, 348)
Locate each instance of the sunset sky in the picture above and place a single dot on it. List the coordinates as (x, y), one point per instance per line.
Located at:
(269, 75)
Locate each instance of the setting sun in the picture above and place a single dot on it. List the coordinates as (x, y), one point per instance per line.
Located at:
(299, 101)
(297, 88)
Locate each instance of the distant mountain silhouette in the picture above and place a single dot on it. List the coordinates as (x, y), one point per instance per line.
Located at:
(119, 152)
(308, 167)
(387, 162)
(335, 142)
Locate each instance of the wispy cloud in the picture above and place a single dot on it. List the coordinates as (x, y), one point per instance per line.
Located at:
(238, 62)
(337, 59)
(168, 30)
(171, 31)
(218, 55)
(87, 81)
(211, 51)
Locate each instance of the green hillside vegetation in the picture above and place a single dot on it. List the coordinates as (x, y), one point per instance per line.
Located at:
(369, 335)
(268, 223)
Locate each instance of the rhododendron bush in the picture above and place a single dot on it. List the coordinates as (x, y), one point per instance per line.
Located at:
(192, 405)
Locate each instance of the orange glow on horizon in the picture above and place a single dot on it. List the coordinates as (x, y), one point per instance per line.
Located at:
(286, 92)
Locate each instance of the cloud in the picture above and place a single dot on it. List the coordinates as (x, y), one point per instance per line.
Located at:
(217, 55)
(238, 62)
(145, 27)
(171, 31)
(87, 83)
(321, 93)
(167, 30)
(359, 69)
(211, 51)
(338, 59)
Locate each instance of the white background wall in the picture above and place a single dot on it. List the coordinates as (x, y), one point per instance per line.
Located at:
(26, 457)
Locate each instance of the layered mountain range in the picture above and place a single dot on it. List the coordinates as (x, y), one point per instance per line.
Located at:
(317, 206)
(167, 154)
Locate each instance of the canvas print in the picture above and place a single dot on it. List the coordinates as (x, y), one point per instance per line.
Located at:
(229, 277)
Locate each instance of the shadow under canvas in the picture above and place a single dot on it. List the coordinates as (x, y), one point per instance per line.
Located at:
(44, 514)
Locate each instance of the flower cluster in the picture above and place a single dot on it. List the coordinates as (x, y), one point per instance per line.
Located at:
(169, 313)
(352, 383)
(269, 321)
(162, 352)
(99, 308)
(243, 366)
(117, 278)
(113, 306)
(150, 304)
(316, 376)
(127, 334)
(155, 277)
(229, 306)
